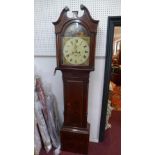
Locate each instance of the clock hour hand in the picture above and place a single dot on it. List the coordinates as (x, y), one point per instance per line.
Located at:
(77, 52)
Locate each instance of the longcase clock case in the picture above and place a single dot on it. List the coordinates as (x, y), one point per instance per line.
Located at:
(75, 130)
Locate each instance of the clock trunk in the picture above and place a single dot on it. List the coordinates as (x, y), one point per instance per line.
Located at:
(75, 132)
(75, 98)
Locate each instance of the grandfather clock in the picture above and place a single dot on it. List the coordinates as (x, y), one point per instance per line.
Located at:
(75, 53)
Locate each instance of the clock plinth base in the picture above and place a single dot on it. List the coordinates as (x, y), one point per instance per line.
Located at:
(75, 139)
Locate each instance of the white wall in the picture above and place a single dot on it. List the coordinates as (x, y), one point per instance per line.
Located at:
(48, 11)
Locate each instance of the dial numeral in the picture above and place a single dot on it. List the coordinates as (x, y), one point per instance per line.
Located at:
(84, 56)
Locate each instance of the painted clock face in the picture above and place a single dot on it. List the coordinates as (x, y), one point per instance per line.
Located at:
(76, 50)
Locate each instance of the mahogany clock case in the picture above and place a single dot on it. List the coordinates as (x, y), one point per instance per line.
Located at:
(75, 130)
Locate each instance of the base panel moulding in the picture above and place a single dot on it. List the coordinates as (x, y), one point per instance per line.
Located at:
(75, 139)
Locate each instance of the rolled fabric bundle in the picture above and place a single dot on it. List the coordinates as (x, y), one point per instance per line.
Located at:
(42, 125)
(41, 96)
(37, 139)
(48, 109)
(52, 121)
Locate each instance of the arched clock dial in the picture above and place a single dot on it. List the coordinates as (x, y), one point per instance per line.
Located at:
(76, 51)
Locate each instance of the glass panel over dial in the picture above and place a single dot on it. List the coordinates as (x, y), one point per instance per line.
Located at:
(76, 46)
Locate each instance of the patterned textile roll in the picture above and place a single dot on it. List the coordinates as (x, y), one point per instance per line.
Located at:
(47, 113)
(37, 139)
(53, 122)
(41, 96)
(42, 126)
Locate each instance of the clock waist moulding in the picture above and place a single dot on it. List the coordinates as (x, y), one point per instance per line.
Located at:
(75, 53)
